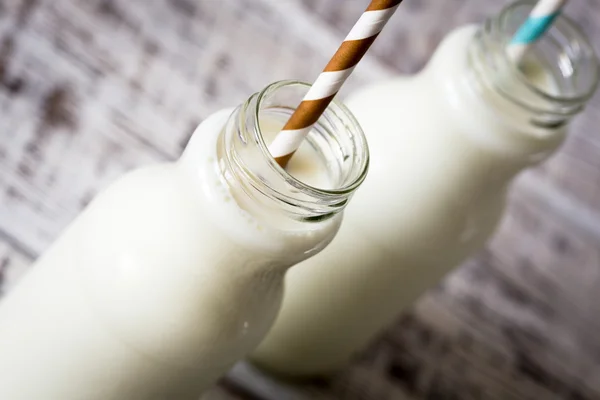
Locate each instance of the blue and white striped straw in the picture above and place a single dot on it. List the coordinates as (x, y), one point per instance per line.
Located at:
(539, 21)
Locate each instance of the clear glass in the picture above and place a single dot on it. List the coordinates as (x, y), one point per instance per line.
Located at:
(564, 53)
(245, 160)
(501, 327)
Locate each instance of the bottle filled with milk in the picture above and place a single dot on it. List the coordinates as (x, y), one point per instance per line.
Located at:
(445, 145)
(175, 271)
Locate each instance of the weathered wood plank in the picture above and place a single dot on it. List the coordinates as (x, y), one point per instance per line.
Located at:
(13, 263)
(92, 88)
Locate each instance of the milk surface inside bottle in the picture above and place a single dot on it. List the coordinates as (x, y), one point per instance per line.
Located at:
(445, 145)
(175, 271)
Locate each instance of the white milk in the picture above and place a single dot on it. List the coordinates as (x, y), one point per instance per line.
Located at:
(442, 155)
(158, 287)
(305, 165)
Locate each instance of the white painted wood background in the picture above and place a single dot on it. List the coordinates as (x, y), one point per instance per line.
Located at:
(92, 88)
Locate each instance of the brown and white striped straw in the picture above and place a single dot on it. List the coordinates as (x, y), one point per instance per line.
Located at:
(332, 78)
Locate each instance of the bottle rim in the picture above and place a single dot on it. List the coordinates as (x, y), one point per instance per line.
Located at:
(562, 24)
(339, 109)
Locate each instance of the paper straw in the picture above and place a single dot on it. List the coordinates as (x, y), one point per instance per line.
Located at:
(538, 22)
(332, 78)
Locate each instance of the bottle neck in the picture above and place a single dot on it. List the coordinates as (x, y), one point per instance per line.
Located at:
(334, 156)
(551, 84)
(508, 117)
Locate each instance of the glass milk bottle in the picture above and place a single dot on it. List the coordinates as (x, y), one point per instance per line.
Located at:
(445, 145)
(176, 270)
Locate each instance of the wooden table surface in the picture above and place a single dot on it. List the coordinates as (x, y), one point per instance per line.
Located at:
(92, 88)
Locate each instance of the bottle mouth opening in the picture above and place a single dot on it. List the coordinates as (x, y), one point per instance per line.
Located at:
(564, 52)
(340, 133)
